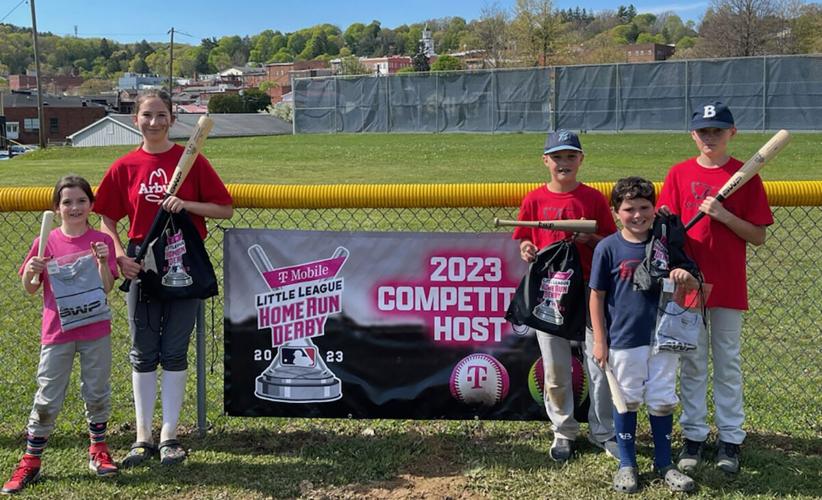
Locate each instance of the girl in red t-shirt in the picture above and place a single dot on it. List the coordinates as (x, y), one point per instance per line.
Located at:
(134, 187)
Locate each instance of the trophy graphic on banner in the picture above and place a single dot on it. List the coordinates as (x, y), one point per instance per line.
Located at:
(297, 374)
(175, 248)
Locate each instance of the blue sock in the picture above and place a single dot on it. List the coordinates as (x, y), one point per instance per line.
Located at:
(661, 428)
(625, 426)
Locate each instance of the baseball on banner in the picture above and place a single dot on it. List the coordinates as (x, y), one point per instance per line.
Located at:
(479, 379)
(579, 382)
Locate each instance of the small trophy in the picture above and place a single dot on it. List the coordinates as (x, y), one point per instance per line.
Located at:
(175, 248)
(298, 373)
(548, 311)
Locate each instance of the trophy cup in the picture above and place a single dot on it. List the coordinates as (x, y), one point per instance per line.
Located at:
(548, 311)
(175, 248)
(298, 373)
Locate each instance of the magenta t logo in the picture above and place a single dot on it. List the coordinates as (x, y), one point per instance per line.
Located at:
(476, 375)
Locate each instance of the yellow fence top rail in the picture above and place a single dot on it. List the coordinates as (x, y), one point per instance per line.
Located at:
(20, 199)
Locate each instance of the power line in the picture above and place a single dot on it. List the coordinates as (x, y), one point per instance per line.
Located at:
(12, 10)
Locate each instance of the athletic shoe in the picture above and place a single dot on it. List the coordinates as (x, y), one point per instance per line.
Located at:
(561, 449)
(609, 447)
(100, 461)
(691, 455)
(27, 472)
(727, 457)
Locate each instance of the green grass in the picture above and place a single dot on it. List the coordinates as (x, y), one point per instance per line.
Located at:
(418, 158)
(268, 457)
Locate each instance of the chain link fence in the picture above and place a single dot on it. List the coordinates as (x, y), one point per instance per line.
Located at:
(781, 336)
(765, 93)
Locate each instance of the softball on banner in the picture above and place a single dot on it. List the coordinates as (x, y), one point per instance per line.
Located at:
(479, 379)
(579, 382)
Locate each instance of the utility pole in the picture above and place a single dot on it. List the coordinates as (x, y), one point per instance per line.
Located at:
(171, 62)
(40, 113)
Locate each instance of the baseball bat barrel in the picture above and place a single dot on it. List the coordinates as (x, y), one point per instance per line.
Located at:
(572, 225)
(45, 229)
(747, 171)
(616, 392)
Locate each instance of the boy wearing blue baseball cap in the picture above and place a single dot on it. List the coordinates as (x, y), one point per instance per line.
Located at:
(564, 197)
(717, 243)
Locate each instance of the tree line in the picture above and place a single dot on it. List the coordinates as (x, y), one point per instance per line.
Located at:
(532, 33)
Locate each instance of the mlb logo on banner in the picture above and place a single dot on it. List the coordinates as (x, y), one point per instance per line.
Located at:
(298, 356)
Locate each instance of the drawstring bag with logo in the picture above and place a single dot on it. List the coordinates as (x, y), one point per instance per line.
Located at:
(176, 265)
(680, 317)
(78, 290)
(551, 297)
(663, 251)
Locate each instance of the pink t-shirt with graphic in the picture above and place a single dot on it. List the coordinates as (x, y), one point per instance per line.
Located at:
(58, 245)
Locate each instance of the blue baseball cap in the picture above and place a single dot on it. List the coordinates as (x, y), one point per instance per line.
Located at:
(560, 140)
(712, 115)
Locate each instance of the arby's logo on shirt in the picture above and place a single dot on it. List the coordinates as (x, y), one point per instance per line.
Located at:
(155, 188)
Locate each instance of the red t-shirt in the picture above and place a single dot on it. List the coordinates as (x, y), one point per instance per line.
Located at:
(135, 183)
(718, 251)
(584, 202)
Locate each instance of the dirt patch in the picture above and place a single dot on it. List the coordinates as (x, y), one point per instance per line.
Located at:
(404, 486)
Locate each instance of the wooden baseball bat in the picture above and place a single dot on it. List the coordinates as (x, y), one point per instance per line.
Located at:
(748, 170)
(616, 392)
(184, 164)
(572, 225)
(45, 229)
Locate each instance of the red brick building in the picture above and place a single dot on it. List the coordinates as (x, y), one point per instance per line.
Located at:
(59, 83)
(62, 116)
(282, 73)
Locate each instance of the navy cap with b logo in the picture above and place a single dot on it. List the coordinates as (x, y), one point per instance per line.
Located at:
(560, 140)
(712, 115)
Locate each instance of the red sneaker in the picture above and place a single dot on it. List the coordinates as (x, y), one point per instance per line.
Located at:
(100, 461)
(27, 472)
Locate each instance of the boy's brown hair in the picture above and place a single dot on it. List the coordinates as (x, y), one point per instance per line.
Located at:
(631, 188)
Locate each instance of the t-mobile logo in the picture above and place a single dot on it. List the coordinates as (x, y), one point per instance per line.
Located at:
(477, 375)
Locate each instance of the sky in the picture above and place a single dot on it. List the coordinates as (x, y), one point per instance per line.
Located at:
(134, 20)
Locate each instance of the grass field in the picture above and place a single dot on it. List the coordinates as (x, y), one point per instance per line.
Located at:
(417, 158)
(259, 458)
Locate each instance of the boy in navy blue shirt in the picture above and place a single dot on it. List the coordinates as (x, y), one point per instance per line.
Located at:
(623, 321)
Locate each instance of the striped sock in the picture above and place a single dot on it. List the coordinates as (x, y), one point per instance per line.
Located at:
(35, 445)
(97, 432)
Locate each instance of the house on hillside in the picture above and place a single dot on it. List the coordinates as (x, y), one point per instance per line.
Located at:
(62, 116)
(244, 77)
(114, 130)
(648, 52)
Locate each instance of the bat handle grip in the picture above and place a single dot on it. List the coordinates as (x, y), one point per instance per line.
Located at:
(125, 286)
(35, 280)
(700, 215)
(693, 221)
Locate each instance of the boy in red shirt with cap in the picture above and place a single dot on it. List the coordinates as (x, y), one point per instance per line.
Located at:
(718, 244)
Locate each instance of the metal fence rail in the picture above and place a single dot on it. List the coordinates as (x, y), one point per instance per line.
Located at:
(781, 334)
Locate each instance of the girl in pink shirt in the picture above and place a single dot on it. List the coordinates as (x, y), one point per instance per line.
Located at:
(76, 319)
